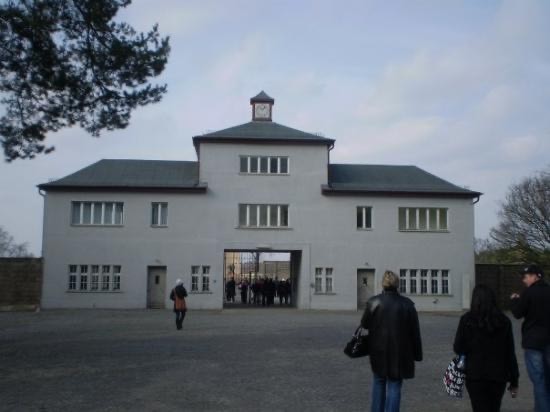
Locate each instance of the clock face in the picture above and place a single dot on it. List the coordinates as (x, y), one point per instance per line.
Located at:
(261, 111)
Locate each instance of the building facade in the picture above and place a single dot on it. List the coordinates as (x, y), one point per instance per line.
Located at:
(118, 233)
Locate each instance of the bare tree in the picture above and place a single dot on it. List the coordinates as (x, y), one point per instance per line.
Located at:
(8, 247)
(525, 218)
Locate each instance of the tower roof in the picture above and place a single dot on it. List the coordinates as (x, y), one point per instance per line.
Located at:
(262, 97)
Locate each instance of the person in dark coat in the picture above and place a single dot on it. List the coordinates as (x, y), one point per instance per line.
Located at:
(485, 337)
(230, 290)
(178, 295)
(394, 343)
(533, 305)
(244, 291)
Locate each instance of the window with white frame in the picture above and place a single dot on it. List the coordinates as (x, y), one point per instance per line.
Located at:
(265, 165)
(97, 213)
(72, 277)
(423, 219)
(94, 278)
(323, 280)
(195, 278)
(432, 281)
(206, 278)
(263, 216)
(159, 214)
(318, 280)
(364, 217)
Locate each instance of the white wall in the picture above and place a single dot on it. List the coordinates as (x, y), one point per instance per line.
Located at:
(201, 226)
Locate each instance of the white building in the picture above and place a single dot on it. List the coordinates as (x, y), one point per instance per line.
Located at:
(118, 233)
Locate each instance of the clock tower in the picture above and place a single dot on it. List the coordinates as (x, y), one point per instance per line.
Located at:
(262, 106)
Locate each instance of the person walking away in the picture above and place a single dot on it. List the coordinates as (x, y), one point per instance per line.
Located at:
(178, 295)
(533, 305)
(394, 343)
(484, 335)
(244, 291)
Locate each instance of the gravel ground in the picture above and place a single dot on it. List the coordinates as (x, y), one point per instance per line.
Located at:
(232, 360)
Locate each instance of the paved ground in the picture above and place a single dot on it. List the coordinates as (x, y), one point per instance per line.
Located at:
(235, 360)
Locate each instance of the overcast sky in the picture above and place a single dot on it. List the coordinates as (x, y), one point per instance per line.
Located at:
(459, 88)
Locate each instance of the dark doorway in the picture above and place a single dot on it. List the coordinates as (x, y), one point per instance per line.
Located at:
(254, 279)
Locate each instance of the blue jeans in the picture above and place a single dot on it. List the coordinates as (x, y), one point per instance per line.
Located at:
(386, 394)
(537, 363)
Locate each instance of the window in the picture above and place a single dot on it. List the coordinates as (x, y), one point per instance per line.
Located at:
(364, 217)
(423, 219)
(97, 213)
(437, 280)
(159, 214)
(423, 281)
(87, 278)
(263, 216)
(318, 280)
(105, 277)
(116, 277)
(445, 282)
(266, 165)
(72, 277)
(95, 278)
(195, 278)
(323, 277)
(206, 278)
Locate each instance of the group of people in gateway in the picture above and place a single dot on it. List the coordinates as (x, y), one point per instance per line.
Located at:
(484, 338)
(262, 291)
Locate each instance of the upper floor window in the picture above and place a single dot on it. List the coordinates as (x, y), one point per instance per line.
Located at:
(364, 217)
(271, 165)
(423, 219)
(159, 214)
(97, 213)
(263, 215)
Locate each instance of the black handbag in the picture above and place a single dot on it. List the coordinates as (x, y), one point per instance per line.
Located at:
(358, 346)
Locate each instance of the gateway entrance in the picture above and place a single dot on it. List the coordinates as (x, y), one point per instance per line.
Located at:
(255, 279)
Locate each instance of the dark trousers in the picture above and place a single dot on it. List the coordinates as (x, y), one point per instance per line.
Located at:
(180, 315)
(485, 396)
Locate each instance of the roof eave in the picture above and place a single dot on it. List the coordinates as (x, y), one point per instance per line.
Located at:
(198, 188)
(244, 140)
(334, 191)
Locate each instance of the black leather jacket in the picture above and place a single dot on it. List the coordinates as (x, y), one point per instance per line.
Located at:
(394, 335)
(534, 306)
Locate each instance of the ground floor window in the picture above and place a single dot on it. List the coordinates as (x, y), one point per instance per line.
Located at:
(432, 281)
(89, 278)
(323, 280)
(200, 278)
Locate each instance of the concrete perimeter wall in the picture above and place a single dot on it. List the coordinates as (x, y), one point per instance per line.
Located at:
(20, 283)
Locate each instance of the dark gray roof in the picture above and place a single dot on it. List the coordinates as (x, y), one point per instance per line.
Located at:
(262, 97)
(262, 131)
(353, 178)
(132, 174)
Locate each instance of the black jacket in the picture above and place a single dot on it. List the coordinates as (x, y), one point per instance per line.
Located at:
(534, 306)
(491, 355)
(394, 335)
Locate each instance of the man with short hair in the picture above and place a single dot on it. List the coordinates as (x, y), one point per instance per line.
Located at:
(534, 306)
